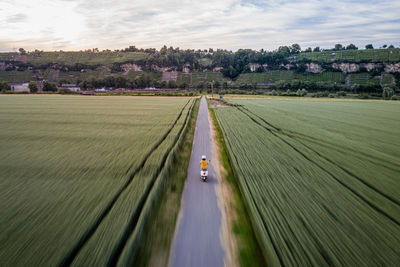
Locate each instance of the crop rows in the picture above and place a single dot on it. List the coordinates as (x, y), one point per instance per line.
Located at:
(79, 175)
(320, 179)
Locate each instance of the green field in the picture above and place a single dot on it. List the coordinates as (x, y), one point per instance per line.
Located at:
(320, 178)
(79, 174)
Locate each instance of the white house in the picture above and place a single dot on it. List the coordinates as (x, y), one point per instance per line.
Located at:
(70, 86)
(20, 87)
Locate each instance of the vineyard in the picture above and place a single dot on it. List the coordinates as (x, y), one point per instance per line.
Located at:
(324, 77)
(79, 175)
(320, 178)
(372, 55)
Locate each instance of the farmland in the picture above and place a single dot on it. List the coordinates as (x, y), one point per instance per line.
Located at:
(320, 178)
(79, 174)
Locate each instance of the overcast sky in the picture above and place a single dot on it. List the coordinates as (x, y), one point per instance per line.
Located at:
(230, 24)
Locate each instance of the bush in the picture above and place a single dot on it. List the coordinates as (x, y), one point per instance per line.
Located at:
(65, 91)
(33, 87)
(49, 87)
(364, 96)
(4, 87)
(395, 97)
(302, 92)
(341, 93)
(273, 92)
(387, 93)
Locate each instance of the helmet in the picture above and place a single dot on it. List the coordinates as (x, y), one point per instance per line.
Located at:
(203, 157)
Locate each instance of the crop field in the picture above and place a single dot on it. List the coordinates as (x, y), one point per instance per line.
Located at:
(79, 175)
(320, 178)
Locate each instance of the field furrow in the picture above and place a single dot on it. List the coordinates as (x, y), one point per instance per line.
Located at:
(307, 205)
(65, 159)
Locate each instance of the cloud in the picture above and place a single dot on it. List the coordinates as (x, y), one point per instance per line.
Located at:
(16, 18)
(230, 24)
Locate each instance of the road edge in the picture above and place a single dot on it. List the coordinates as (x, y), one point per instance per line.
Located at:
(225, 201)
(248, 249)
(156, 244)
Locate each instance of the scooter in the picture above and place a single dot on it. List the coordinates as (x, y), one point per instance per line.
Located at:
(204, 174)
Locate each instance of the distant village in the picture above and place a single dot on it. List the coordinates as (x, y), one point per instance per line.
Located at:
(20, 87)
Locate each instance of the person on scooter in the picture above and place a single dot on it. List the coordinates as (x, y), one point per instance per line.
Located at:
(203, 163)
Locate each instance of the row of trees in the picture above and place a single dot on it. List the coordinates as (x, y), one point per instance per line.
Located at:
(33, 87)
(140, 81)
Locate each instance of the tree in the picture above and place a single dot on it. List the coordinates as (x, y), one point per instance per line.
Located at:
(338, 47)
(369, 46)
(4, 87)
(172, 84)
(121, 82)
(295, 49)
(351, 47)
(49, 87)
(22, 51)
(384, 46)
(182, 85)
(284, 50)
(391, 46)
(308, 49)
(387, 93)
(33, 87)
(317, 49)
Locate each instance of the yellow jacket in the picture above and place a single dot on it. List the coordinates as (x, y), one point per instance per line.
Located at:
(203, 164)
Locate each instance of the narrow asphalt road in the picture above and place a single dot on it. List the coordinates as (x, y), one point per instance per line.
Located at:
(197, 233)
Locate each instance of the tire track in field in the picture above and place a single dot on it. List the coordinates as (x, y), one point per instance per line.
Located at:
(133, 221)
(332, 146)
(395, 201)
(376, 208)
(69, 258)
(277, 253)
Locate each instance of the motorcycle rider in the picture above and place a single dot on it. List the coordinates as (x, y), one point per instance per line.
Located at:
(203, 163)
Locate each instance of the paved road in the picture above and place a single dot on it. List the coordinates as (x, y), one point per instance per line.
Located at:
(197, 234)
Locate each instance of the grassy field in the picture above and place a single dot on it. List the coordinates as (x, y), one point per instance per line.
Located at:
(320, 178)
(79, 174)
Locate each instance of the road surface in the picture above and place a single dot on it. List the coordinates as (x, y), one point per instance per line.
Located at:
(197, 234)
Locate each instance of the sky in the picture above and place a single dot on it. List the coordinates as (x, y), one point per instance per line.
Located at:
(228, 24)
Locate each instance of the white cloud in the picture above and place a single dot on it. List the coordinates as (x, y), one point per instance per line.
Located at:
(231, 24)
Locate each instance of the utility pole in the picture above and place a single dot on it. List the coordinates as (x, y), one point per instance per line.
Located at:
(212, 90)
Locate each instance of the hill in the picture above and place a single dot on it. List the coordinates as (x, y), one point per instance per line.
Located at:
(172, 67)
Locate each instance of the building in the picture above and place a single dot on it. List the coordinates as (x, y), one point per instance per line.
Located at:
(70, 86)
(20, 87)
